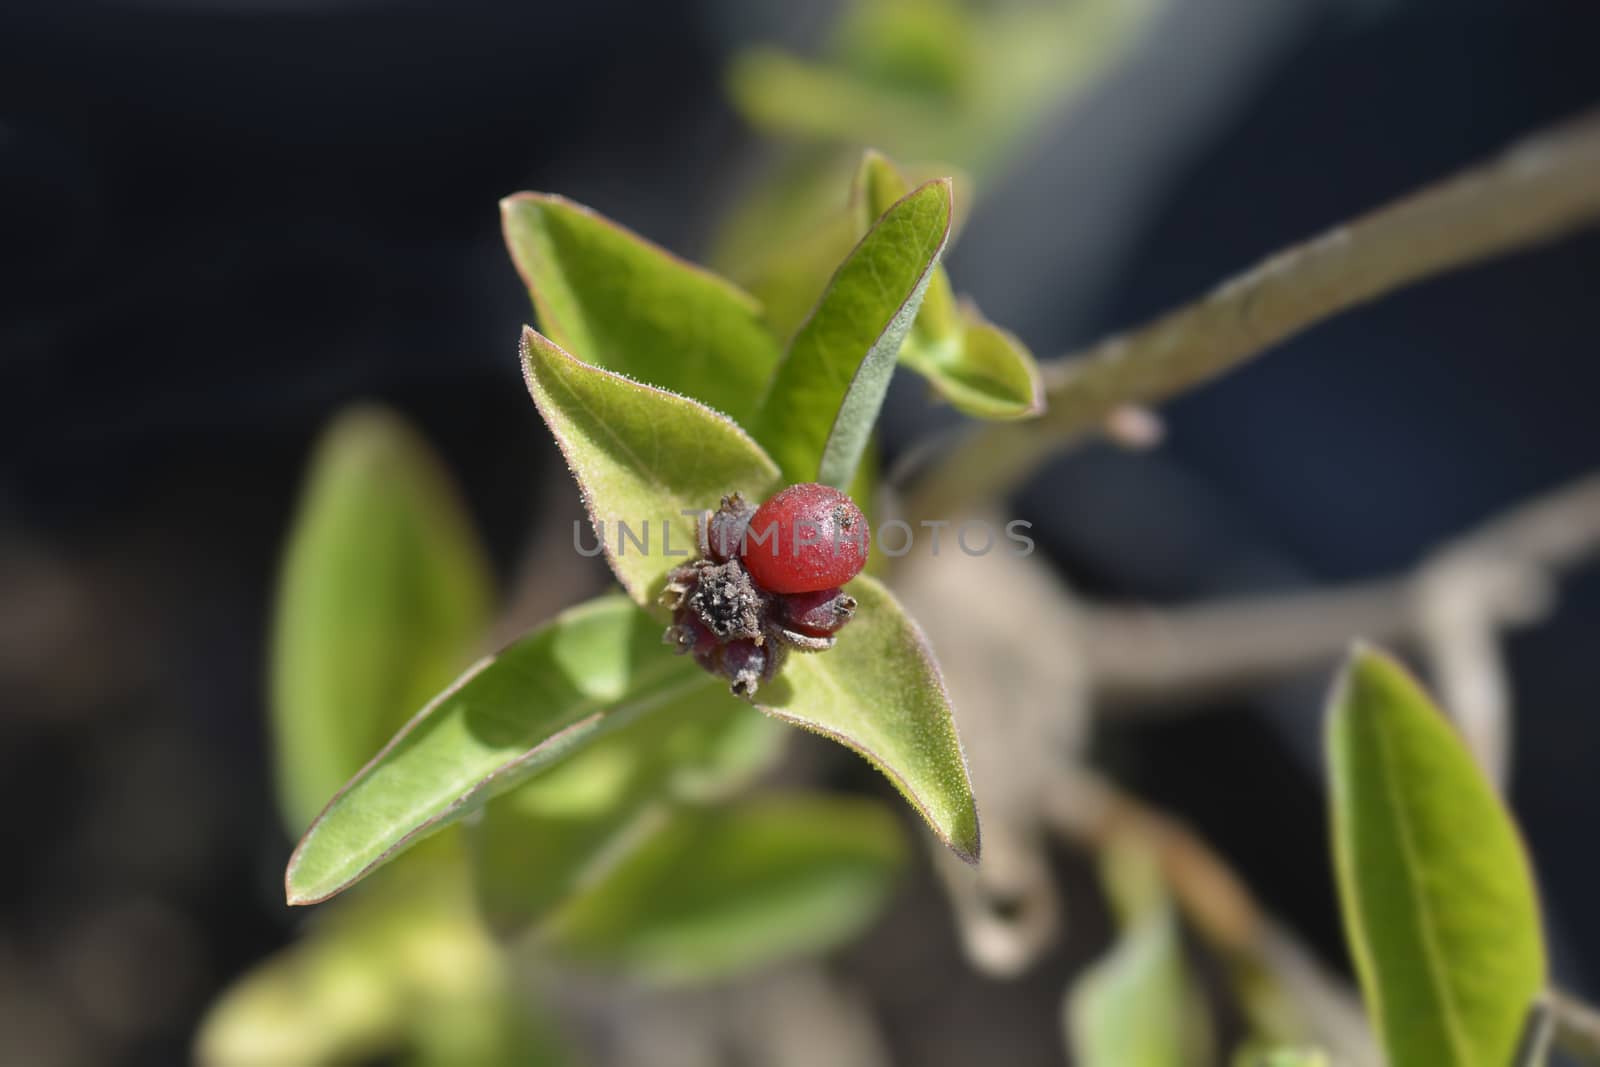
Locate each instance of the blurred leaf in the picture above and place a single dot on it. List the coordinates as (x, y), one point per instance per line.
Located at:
(1034, 59)
(794, 192)
(919, 46)
(591, 669)
(982, 370)
(785, 238)
(878, 691)
(642, 457)
(562, 830)
(826, 394)
(1281, 1057)
(1130, 1008)
(400, 969)
(721, 891)
(383, 596)
(1438, 901)
(612, 298)
(936, 80)
(790, 282)
(779, 93)
(493, 1030)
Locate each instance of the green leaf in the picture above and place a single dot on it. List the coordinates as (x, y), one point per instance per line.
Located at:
(612, 298)
(592, 669)
(784, 241)
(987, 373)
(878, 186)
(1439, 904)
(721, 891)
(643, 457)
(383, 596)
(980, 369)
(825, 396)
(1130, 1009)
(534, 848)
(879, 692)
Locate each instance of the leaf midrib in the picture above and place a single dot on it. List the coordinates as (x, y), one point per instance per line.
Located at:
(1432, 955)
(641, 700)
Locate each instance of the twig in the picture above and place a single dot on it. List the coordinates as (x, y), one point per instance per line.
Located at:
(1451, 608)
(1577, 1027)
(1538, 1029)
(1010, 643)
(1542, 188)
(1144, 656)
(1006, 639)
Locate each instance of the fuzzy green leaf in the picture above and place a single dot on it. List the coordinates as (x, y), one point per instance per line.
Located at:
(980, 369)
(826, 394)
(879, 692)
(383, 596)
(721, 891)
(534, 848)
(990, 375)
(786, 239)
(592, 669)
(877, 187)
(1130, 1009)
(614, 299)
(642, 457)
(1439, 904)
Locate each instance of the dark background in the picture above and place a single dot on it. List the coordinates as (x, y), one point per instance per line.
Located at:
(220, 223)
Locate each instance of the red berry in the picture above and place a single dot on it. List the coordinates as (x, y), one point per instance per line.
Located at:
(806, 538)
(816, 614)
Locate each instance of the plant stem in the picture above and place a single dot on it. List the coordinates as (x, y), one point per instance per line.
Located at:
(1540, 189)
(1452, 607)
(1538, 1031)
(1576, 1027)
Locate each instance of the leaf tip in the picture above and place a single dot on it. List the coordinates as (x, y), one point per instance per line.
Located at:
(294, 895)
(1367, 666)
(528, 196)
(534, 347)
(968, 848)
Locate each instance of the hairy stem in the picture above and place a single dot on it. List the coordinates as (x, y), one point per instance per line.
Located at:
(1542, 188)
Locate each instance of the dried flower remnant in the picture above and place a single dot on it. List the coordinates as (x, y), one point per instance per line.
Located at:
(742, 626)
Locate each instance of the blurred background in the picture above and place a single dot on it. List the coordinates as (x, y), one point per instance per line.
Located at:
(221, 222)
